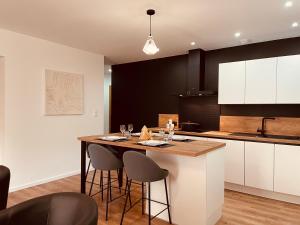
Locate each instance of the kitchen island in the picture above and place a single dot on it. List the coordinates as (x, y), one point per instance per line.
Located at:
(196, 180)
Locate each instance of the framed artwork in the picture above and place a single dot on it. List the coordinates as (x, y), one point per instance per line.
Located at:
(63, 93)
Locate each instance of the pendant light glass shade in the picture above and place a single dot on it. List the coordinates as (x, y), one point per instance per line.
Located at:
(150, 46)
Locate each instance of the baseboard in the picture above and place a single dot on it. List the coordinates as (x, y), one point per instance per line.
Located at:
(43, 181)
(263, 193)
(215, 216)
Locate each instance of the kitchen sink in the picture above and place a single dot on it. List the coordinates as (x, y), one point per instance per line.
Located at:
(266, 136)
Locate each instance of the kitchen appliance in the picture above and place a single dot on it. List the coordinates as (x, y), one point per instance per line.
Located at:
(189, 126)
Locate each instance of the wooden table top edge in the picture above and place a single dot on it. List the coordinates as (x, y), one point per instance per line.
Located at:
(189, 153)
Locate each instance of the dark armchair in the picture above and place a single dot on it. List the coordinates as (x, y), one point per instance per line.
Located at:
(54, 209)
(4, 186)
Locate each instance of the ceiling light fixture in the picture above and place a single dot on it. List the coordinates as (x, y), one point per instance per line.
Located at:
(150, 46)
(288, 4)
(237, 34)
(193, 43)
(295, 24)
(110, 70)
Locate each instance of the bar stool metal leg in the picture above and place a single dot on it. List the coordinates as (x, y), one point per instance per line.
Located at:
(92, 182)
(101, 184)
(107, 195)
(110, 194)
(168, 205)
(149, 203)
(118, 174)
(127, 196)
(143, 195)
(87, 171)
(126, 185)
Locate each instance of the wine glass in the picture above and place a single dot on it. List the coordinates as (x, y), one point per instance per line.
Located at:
(122, 129)
(162, 133)
(130, 128)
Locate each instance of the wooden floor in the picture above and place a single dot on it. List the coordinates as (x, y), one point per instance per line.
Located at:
(239, 209)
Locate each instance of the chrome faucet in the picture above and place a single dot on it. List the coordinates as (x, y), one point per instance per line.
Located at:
(263, 125)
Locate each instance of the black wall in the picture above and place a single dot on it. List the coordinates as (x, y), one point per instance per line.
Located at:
(142, 90)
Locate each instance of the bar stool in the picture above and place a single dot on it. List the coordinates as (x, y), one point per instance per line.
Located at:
(141, 168)
(101, 172)
(104, 160)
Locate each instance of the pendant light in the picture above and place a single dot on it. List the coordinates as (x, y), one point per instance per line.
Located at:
(150, 46)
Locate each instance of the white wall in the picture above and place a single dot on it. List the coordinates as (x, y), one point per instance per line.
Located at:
(107, 84)
(39, 148)
(1, 107)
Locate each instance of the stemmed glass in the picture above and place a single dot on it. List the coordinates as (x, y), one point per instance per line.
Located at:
(130, 128)
(171, 132)
(122, 129)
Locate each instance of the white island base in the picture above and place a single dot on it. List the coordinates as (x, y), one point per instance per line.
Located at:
(195, 185)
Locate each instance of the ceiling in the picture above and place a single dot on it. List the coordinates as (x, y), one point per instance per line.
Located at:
(118, 28)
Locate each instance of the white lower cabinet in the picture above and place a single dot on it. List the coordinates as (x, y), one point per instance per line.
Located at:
(287, 167)
(234, 160)
(259, 165)
(271, 167)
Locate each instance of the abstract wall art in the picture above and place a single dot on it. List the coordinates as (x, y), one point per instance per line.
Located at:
(63, 93)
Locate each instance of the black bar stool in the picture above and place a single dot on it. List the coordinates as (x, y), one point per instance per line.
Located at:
(103, 159)
(141, 168)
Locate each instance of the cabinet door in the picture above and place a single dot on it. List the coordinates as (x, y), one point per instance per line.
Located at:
(287, 167)
(259, 165)
(232, 83)
(261, 81)
(288, 79)
(234, 161)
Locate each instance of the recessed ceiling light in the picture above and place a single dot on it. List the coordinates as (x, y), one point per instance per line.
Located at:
(295, 24)
(288, 4)
(237, 34)
(193, 43)
(109, 70)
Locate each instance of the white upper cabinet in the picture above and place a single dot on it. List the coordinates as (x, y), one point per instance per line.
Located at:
(288, 80)
(287, 167)
(261, 81)
(232, 83)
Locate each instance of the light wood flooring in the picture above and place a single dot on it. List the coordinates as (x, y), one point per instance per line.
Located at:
(239, 209)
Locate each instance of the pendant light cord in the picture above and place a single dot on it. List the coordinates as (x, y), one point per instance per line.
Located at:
(150, 26)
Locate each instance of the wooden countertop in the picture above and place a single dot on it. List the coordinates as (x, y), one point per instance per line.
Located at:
(192, 149)
(230, 136)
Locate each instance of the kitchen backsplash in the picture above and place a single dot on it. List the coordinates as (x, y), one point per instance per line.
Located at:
(249, 124)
